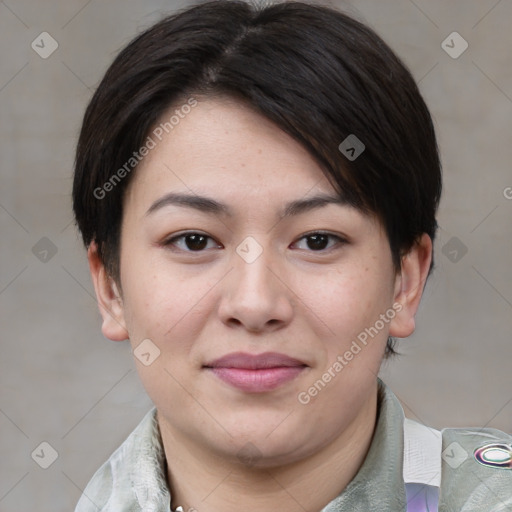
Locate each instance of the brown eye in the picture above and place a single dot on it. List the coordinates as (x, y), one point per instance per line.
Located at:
(320, 241)
(196, 242)
(190, 242)
(317, 242)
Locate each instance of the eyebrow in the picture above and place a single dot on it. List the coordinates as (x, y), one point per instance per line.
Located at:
(208, 205)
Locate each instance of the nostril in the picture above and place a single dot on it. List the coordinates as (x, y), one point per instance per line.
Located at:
(235, 321)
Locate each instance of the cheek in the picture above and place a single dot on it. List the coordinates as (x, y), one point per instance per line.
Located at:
(170, 309)
(348, 300)
(163, 302)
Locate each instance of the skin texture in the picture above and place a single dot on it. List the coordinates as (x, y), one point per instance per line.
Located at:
(309, 304)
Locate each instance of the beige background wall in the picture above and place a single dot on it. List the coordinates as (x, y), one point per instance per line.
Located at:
(62, 383)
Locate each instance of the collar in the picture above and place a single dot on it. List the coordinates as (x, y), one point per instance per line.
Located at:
(378, 485)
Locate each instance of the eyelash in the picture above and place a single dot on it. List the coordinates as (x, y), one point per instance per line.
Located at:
(171, 241)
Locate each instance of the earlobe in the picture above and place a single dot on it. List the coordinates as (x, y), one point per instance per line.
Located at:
(108, 297)
(409, 286)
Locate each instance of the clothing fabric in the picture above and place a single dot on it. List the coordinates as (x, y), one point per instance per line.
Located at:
(422, 463)
(133, 479)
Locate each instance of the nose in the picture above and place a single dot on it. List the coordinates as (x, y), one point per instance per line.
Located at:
(255, 296)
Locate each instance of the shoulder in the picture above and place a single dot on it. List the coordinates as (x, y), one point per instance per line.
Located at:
(97, 492)
(476, 470)
(115, 485)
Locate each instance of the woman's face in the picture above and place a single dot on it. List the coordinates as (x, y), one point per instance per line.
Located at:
(257, 269)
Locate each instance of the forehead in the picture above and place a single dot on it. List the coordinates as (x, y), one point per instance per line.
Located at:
(223, 148)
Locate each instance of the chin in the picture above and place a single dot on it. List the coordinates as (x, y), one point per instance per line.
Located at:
(267, 448)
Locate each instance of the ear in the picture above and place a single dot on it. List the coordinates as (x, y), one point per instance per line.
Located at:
(109, 299)
(409, 285)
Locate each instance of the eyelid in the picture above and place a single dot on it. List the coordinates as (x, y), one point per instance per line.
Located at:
(340, 236)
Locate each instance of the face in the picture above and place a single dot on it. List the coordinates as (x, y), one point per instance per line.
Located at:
(252, 296)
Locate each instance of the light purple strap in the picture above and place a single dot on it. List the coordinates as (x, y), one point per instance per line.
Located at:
(422, 497)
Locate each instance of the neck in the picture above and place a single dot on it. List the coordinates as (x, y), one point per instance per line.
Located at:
(205, 482)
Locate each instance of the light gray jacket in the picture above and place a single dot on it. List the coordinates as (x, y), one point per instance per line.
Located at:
(133, 479)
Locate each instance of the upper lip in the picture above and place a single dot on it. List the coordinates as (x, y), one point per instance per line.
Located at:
(254, 361)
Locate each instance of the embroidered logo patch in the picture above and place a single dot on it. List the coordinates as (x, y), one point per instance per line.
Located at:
(495, 455)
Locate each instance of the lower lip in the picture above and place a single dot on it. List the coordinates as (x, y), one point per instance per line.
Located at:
(258, 381)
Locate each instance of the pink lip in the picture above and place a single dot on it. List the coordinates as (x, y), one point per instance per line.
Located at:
(256, 373)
